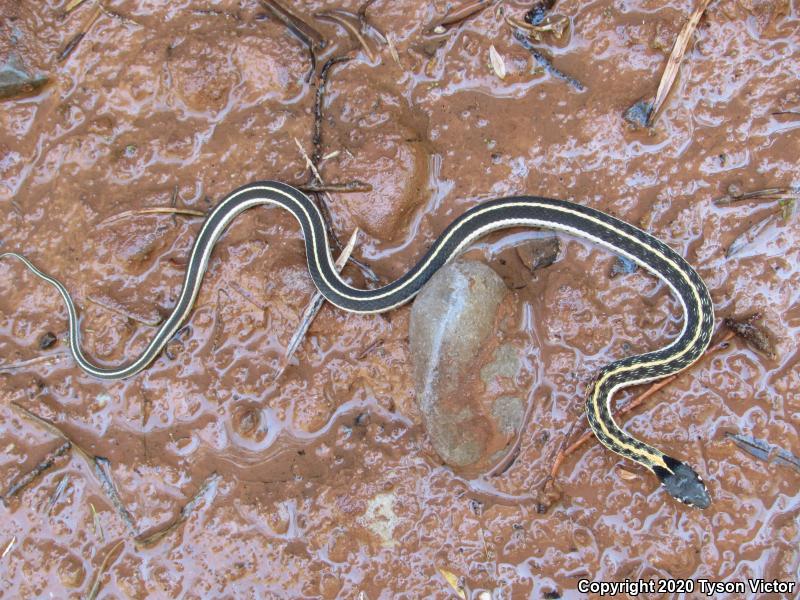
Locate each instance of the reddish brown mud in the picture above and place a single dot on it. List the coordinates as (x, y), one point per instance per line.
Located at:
(328, 485)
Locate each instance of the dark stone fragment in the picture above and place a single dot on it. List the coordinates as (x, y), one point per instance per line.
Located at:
(46, 340)
(638, 115)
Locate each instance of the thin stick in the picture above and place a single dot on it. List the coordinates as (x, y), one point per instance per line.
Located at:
(210, 483)
(76, 39)
(635, 403)
(674, 62)
(47, 462)
(55, 356)
(545, 62)
(102, 468)
(341, 188)
(122, 313)
(97, 463)
(314, 305)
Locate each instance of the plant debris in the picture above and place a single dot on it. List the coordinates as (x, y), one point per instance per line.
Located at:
(454, 582)
(121, 312)
(497, 62)
(546, 63)
(101, 571)
(76, 39)
(54, 357)
(304, 31)
(314, 305)
(674, 62)
(352, 24)
(765, 451)
(341, 188)
(209, 485)
(457, 16)
(756, 337)
(9, 546)
(102, 468)
(98, 527)
(62, 485)
(25, 480)
(556, 25)
(778, 194)
(169, 210)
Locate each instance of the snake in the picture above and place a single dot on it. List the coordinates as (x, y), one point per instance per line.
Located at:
(677, 477)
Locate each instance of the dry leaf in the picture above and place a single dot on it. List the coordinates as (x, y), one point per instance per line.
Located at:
(498, 64)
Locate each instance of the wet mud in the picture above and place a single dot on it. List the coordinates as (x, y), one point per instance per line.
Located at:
(326, 483)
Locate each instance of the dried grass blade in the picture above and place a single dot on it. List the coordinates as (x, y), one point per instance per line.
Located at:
(674, 61)
(73, 5)
(62, 485)
(101, 571)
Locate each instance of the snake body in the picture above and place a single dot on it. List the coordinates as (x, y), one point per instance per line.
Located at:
(679, 479)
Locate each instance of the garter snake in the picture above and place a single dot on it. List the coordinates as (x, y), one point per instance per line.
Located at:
(679, 479)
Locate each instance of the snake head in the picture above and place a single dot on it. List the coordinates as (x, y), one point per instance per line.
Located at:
(683, 483)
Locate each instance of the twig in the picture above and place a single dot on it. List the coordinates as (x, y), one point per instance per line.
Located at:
(307, 34)
(97, 463)
(341, 188)
(454, 17)
(766, 195)
(170, 210)
(546, 63)
(102, 468)
(556, 26)
(345, 19)
(748, 236)
(209, 484)
(314, 305)
(51, 428)
(319, 98)
(101, 571)
(32, 361)
(76, 39)
(40, 468)
(674, 62)
(636, 402)
(122, 313)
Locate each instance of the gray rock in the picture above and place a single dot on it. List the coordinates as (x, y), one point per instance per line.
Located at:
(14, 81)
(452, 331)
